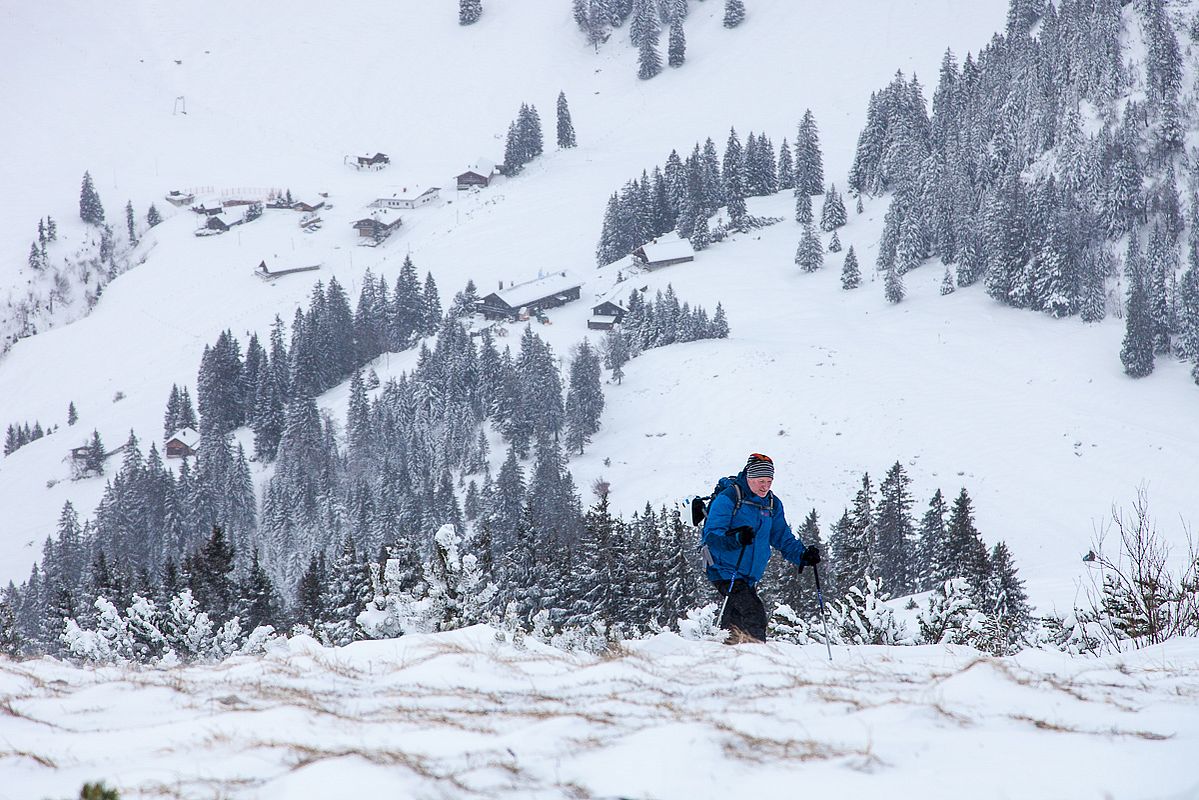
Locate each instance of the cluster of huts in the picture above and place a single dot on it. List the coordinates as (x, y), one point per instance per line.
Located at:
(524, 300)
(384, 219)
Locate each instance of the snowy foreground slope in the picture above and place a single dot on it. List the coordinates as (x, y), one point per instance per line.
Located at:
(463, 715)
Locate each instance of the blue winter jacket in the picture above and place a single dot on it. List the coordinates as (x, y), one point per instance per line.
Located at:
(763, 514)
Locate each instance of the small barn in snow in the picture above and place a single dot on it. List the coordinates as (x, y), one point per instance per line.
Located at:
(664, 251)
(477, 174)
(378, 226)
(377, 161)
(184, 442)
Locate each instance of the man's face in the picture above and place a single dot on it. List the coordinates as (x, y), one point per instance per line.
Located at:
(759, 486)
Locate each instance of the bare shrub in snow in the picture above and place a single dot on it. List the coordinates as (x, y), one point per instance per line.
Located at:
(1139, 594)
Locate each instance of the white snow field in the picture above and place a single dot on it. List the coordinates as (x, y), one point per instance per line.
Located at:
(460, 715)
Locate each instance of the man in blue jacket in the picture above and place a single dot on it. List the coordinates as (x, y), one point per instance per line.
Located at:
(743, 523)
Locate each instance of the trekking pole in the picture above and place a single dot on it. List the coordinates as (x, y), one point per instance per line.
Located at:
(732, 580)
(823, 616)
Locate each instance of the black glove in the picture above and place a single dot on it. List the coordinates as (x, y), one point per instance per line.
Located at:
(810, 557)
(745, 535)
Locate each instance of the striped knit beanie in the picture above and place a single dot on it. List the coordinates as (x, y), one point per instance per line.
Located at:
(759, 466)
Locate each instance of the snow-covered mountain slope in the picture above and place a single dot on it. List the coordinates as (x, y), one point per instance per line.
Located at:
(461, 715)
(1032, 415)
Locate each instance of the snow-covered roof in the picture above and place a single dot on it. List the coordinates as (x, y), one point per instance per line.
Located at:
(482, 166)
(536, 289)
(667, 248)
(188, 437)
(410, 194)
(387, 216)
(232, 215)
(618, 295)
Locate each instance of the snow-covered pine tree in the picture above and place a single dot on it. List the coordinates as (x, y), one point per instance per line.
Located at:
(210, 576)
(863, 617)
(851, 275)
(91, 210)
(965, 555)
(891, 546)
(712, 183)
(911, 249)
(430, 307)
(616, 353)
(1137, 351)
(130, 224)
(803, 207)
(152, 216)
(786, 167)
(514, 153)
(951, 616)
(809, 161)
(144, 620)
(947, 284)
(834, 243)
(452, 594)
(676, 44)
(1005, 595)
(36, 261)
(1188, 299)
(809, 255)
(528, 123)
(566, 128)
(1122, 197)
(645, 22)
(258, 602)
(734, 180)
(832, 213)
(850, 547)
(10, 640)
(350, 588)
(734, 13)
(930, 556)
(720, 325)
(1160, 267)
(93, 460)
(679, 569)
(893, 288)
(188, 629)
(584, 397)
(109, 643)
(649, 60)
(469, 11)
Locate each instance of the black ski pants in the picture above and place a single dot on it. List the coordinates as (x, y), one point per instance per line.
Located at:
(745, 613)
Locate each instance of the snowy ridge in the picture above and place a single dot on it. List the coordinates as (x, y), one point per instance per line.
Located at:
(468, 714)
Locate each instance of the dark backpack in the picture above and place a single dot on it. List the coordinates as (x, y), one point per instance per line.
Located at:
(700, 505)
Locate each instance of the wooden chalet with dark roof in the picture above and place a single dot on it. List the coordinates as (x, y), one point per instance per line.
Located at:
(377, 161)
(606, 314)
(184, 442)
(478, 174)
(549, 291)
(664, 251)
(378, 226)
